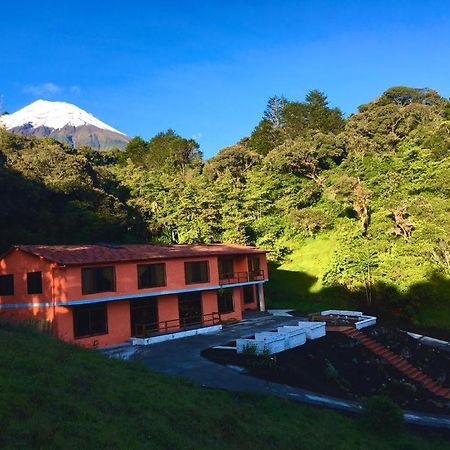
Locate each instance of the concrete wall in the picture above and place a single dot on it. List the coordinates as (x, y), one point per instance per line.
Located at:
(119, 328)
(61, 284)
(29, 306)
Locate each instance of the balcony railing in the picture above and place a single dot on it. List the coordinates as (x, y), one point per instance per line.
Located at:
(240, 277)
(175, 325)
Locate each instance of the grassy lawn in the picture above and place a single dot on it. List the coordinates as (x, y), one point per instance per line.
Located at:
(57, 396)
(297, 283)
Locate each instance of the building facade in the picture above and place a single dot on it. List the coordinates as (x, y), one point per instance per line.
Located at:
(98, 295)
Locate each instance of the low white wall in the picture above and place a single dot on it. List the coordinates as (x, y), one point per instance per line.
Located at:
(366, 321)
(313, 330)
(292, 338)
(176, 335)
(337, 312)
(272, 342)
(270, 346)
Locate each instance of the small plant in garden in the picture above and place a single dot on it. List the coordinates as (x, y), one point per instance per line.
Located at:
(383, 415)
(331, 371)
(267, 360)
(249, 350)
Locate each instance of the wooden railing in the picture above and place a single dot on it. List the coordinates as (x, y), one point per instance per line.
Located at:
(171, 326)
(240, 277)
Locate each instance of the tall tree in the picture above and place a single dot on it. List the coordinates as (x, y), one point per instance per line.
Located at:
(274, 111)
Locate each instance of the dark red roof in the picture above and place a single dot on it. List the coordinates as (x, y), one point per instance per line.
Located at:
(102, 253)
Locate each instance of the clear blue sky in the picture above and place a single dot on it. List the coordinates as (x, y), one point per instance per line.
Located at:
(207, 68)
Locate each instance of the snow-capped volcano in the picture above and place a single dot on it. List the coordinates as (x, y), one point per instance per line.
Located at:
(64, 122)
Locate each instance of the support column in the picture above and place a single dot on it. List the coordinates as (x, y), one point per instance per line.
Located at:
(262, 304)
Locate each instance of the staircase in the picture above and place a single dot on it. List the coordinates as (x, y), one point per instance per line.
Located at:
(398, 362)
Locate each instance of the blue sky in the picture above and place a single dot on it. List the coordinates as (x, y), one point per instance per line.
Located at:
(207, 68)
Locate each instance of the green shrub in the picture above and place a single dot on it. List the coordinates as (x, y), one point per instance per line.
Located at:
(383, 415)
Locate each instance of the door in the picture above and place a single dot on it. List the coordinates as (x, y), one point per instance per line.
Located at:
(254, 269)
(190, 309)
(144, 316)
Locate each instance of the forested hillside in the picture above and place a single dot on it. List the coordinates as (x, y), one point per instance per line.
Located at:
(353, 209)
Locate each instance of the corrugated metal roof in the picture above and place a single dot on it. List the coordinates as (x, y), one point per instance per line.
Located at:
(105, 253)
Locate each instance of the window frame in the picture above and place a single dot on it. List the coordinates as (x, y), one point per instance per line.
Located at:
(252, 287)
(85, 269)
(187, 281)
(220, 294)
(140, 266)
(30, 281)
(10, 291)
(93, 306)
(254, 266)
(221, 261)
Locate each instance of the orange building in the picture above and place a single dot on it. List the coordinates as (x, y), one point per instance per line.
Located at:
(97, 295)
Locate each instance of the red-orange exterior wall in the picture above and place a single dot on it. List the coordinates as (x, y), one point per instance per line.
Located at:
(19, 263)
(64, 284)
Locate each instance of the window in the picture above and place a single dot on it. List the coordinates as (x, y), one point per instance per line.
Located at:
(34, 282)
(98, 279)
(225, 301)
(196, 272)
(89, 320)
(6, 284)
(225, 268)
(151, 275)
(144, 316)
(249, 294)
(254, 268)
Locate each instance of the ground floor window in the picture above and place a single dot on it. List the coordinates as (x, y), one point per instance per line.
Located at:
(144, 316)
(225, 301)
(249, 294)
(190, 308)
(89, 320)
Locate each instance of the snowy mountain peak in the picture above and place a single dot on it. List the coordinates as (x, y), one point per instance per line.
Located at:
(53, 115)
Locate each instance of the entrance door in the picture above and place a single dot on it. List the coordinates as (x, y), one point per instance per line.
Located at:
(190, 308)
(144, 316)
(254, 268)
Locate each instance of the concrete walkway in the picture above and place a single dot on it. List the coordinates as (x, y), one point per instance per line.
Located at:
(182, 358)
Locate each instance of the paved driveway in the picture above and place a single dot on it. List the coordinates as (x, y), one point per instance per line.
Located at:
(182, 357)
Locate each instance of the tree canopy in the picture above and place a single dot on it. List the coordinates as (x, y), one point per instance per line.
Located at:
(376, 184)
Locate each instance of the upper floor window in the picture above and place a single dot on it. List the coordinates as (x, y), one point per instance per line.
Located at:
(6, 284)
(98, 279)
(225, 268)
(34, 282)
(151, 275)
(254, 267)
(196, 272)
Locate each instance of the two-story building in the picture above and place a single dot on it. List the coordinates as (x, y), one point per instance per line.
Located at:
(104, 294)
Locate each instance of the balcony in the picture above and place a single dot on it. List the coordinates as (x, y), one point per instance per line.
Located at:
(241, 277)
(175, 325)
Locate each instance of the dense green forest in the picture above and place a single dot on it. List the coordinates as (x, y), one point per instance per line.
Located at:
(354, 210)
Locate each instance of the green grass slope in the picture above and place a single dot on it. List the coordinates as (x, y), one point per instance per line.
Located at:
(297, 283)
(57, 396)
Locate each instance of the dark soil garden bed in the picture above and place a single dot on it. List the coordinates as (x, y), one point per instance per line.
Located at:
(340, 366)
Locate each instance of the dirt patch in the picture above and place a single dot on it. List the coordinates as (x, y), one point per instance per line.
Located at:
(340, 366)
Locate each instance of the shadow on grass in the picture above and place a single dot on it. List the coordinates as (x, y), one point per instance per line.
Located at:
(425, 305)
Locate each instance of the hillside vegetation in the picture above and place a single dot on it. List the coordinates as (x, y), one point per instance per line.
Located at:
(355, 211)
(58, 396)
